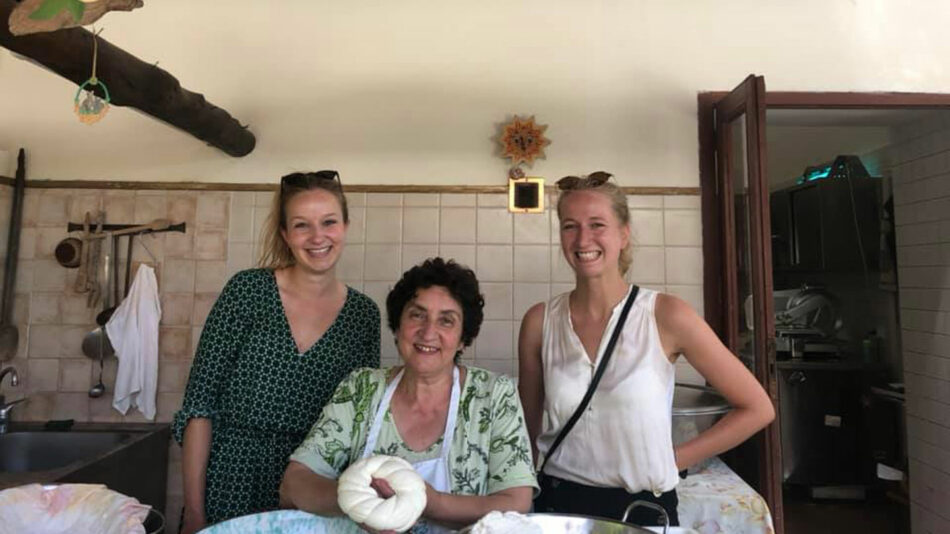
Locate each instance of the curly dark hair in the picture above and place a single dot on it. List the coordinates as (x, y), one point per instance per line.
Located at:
(461, 283)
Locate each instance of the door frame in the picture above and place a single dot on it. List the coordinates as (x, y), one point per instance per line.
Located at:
(712, 211)
(713, 217)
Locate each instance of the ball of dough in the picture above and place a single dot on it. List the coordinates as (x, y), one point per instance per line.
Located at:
(362, 504)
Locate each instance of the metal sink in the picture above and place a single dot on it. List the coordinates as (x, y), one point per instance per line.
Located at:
(22, 452)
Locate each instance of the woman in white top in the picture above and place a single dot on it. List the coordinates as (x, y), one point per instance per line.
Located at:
(621, 448)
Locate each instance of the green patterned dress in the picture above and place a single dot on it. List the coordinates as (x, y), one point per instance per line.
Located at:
(489, 452)
(260, 393)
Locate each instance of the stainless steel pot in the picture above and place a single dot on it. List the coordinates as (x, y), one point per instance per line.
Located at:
(579, 524)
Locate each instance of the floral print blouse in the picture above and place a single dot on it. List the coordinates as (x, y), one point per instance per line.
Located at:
(490, 449)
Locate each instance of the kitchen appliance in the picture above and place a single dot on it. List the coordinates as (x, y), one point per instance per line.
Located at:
(807, 322)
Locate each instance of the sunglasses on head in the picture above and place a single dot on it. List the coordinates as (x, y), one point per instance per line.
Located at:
(308, 179)
(593, 179)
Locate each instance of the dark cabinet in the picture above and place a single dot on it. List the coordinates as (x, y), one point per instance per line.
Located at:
(822, 425)
(831, 224)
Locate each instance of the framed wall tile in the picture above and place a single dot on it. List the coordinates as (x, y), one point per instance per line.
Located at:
(497, 300)
(449, 200)
(683, 227)
(648, 266)
(384, 199)
(457, 226)
(420, 225)
(533, 228)
(383, 262)
(527, 295)
(350, 265)
(494, 226)
(646, 227)
(532, 263)
(684, 265)
(415, 254)
(494, 263)
(383, 225)
(420, 200)
(462, 254)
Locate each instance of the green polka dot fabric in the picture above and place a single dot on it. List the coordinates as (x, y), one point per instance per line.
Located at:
(261, 395)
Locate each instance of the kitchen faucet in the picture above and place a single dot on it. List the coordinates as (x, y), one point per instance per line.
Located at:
(4, 406)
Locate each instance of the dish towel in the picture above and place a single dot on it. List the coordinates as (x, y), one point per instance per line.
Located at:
(133, 331)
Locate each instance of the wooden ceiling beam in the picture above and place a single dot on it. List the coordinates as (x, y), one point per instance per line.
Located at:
(131, 82)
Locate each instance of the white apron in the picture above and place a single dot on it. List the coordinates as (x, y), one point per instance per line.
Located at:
(434, 471)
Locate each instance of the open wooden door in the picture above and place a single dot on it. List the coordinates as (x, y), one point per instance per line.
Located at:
(738, 250)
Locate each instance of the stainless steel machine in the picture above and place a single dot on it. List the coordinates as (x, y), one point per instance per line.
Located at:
(807, 322)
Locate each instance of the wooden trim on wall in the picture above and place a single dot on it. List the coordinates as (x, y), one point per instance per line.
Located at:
(798, 99)
(354, 188)
(843, 100)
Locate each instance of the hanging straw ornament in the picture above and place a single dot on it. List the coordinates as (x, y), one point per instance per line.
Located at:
(91, 108)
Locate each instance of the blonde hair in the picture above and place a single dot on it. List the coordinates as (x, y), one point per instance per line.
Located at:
(598, 183)
(275, 254)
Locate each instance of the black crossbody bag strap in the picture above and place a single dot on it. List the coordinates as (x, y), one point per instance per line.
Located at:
(596, 380)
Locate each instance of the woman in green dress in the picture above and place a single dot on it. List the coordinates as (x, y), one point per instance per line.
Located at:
(274, 347)
(460, 427)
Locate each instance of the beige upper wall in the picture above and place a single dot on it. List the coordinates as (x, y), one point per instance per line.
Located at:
(411, 92)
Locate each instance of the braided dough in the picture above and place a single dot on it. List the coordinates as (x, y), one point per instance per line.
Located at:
(361, 503)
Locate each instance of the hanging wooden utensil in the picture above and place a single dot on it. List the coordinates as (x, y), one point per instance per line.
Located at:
(92, 274)
(156, 225)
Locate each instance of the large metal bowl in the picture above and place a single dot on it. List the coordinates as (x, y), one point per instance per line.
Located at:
(579, 524)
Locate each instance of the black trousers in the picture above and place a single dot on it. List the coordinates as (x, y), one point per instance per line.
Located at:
(566, 497)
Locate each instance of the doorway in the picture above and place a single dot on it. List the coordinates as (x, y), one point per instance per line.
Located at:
(889, 133)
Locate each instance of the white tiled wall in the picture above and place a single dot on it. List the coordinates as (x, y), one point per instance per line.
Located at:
(921, 172)
(516, 257)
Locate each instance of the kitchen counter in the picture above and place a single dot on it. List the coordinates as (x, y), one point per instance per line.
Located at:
(131, 459)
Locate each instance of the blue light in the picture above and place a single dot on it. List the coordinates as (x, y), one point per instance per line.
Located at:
(814, 174)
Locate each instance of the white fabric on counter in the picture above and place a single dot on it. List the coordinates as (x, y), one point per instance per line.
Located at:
(133, 331)
(716, 501)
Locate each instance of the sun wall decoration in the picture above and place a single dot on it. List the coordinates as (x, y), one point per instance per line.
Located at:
(523, 141)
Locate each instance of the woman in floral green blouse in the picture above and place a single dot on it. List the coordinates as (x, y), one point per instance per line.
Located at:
(461, 427)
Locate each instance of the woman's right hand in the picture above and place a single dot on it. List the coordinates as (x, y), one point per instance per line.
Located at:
(384, 491)
(192, 522)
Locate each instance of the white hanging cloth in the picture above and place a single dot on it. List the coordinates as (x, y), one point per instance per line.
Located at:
(133, 331)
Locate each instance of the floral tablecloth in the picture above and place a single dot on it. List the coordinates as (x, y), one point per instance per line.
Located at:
(712, 500)
(715, 500)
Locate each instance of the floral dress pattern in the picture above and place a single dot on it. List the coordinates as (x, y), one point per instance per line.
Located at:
(489, 452)
(261, 394)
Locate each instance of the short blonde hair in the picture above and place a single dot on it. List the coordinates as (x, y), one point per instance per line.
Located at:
(598, 182)
(275, 254)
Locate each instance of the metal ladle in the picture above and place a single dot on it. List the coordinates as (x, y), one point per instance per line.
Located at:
(96, 391)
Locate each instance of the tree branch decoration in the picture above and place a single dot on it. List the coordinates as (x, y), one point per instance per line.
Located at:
(523, 141)
(35, 16)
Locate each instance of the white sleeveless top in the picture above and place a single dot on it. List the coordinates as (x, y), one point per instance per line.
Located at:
(623, 439)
